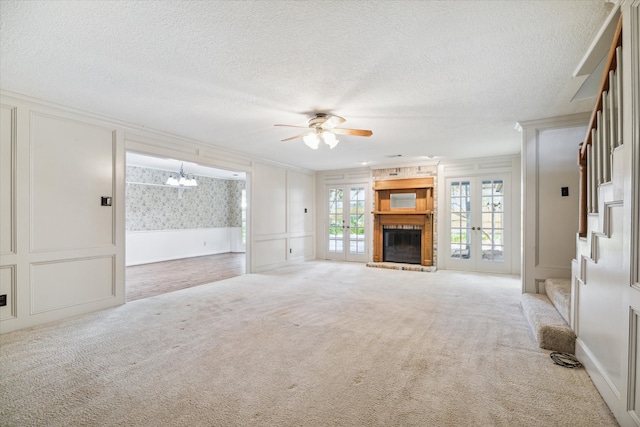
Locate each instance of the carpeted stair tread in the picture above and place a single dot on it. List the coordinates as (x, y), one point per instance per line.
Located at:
(550, 329)
(559, 293)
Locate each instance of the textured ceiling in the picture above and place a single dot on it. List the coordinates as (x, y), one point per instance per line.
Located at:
(430, 78)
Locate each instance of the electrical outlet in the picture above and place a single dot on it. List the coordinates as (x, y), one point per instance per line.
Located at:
(3, 300)
(564, 191)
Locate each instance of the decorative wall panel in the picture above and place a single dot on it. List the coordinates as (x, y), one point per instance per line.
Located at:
(7, 180)
(301, 247)
(8, 288)
(270, 252)
(60, 284)
(72, 167)
(300, 203)
(269, 197)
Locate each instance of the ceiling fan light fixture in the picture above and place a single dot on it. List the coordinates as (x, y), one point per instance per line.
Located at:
(311, 140)
(330, 139)
(322, 127)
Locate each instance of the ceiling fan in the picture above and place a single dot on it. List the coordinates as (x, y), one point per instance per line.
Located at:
(323, 126)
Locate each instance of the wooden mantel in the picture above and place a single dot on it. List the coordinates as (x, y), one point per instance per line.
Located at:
(421, 215)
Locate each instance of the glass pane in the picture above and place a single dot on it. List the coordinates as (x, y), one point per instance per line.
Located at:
(497, 204)
(465, 189)
(459, 217)
(487, 204)
(498, 220)
(497, 237)
(487, 220)
(455, 189)
(356, 233)
(487, 254)
(335, 220)
(487, 188)
(403, 200)
(498, 254)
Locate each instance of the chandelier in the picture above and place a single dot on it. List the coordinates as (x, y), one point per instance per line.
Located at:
(182, 179)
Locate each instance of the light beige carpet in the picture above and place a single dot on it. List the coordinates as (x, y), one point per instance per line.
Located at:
(316, 344)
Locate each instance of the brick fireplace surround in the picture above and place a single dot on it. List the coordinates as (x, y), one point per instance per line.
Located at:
(419, 216)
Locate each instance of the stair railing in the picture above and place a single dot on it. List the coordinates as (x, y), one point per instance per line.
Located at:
(604, 133)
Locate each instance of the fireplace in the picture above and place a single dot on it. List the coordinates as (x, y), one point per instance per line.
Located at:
(403, 221)
(402, 244)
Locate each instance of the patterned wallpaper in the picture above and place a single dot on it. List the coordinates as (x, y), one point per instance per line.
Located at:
(213, 203)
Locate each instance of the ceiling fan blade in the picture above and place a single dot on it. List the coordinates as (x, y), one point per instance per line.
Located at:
(332, 122)
(293, 126)
(356, 132)
(299, 136)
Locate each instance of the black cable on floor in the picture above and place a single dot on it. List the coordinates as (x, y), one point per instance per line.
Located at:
(565, 359)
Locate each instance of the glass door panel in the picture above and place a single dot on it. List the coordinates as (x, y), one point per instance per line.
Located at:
(492, 220)
(356, 221)
(346, 238)
(336, 240)
(460, 219)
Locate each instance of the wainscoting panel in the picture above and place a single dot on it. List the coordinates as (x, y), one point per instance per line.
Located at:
(267, 253)
(7, 180)
(61, 284)
(301, 247)
(72, 167)
(634, 359)
(152, 246)
(300, 202)
(8, 288)
(269, 200)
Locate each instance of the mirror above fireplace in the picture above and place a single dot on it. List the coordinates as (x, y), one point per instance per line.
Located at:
(402, 200)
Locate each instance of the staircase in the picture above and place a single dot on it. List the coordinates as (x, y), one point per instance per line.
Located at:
(600, 159)
(548, 315)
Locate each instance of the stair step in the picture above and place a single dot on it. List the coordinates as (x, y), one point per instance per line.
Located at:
(550, 329)
(559, 293)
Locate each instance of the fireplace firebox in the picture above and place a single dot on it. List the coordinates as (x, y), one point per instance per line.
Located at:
(401, 245)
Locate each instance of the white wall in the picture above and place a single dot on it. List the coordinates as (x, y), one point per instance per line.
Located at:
(152, 246)
(550, 221)
(282, 212)
(63, 254)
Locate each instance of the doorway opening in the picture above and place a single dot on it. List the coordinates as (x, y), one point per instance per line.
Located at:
(178, 236)
(477, 223)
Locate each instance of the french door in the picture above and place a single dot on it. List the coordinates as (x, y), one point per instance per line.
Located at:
(477, 224)
(345, 224)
